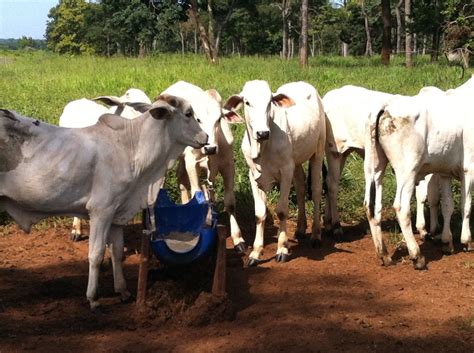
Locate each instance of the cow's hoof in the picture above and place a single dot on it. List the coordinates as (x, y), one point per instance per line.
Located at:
(316, 243)
(76, 237)
(127, 298)
(240, 248)
(253, 262)
(469, 246)
(300, 236)
(337, 233)
(447, 249)
(96, 308)
(387, 261)
(419, 263)
(281, 257)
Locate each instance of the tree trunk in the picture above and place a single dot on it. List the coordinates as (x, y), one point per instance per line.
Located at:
(181, 36)
(408, 35)
(424, 45)
(386, 45)
(304, 34)
(285, 8)
(206, 44)
(345, 49)
(195, 42)
(368, 43)
(399, 26)
(435, 43)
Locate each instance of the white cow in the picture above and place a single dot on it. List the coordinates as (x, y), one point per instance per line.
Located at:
(420, 135)
(216, 157)
(85, 112)
(283, 130)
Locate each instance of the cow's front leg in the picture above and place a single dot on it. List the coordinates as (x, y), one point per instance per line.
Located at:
(282, 254)
(421, 192)
(260, 199)
(183, 181)
(299, 182)
(116, 253)
(316, 185)
(76, 232)
(99, 228)
(227, 173)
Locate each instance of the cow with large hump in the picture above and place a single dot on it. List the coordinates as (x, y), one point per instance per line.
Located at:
(283, 130)
(214, 158)
(348, 110)
(85, 112)
(102, 172)
(420, 135)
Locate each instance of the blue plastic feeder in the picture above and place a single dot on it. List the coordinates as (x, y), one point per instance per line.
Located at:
(184, 233)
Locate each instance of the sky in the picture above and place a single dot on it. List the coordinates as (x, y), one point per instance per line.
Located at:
(24, 18)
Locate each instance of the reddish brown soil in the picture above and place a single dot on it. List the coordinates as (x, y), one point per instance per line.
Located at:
(334, 299)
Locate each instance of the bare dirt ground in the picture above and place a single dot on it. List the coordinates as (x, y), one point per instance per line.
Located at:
(334, 299)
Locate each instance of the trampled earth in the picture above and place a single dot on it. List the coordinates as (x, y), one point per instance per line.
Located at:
(334, 299)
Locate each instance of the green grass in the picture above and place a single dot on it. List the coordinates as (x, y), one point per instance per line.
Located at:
(39, 84)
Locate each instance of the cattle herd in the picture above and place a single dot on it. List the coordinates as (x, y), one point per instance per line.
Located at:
(107, 164)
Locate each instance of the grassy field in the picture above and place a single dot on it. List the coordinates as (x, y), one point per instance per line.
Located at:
(39, 84)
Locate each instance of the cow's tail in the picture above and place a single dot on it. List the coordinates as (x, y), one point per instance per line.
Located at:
(309, 180)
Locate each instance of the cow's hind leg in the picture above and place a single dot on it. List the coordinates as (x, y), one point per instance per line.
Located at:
(336, 162)
(405, 186)
(76, 233)
(316, 165)
(260, 199)
(116, 253)
(299, 182)
(447, 209)
(466, 237)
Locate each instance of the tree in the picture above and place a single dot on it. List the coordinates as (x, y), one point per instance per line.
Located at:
(386, 45)
(304, 34)
(408, 37)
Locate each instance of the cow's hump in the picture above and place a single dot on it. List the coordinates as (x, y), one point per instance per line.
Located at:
(115, 122)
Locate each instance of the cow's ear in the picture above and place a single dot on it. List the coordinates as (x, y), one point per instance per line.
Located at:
(168, 98)
(214, 94)
(282, 100)
(161, 110)
(232, 117)
(233, 103)
(109, 100)
(139, 107)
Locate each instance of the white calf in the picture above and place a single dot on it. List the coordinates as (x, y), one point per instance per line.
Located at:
(283, 130)
(216, 157)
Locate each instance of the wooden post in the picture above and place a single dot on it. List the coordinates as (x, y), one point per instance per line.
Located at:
(218, 285)
(144, 259)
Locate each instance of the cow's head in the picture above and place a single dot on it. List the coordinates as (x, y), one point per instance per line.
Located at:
(179, 112)
(208, 115)
(258, 102)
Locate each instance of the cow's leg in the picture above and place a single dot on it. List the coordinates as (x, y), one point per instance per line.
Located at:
(282, 254)
(183, 181)
(260, 199)
(116, 253)
(374, 170)
(228, 172)
(299, 182)
(336, 162)
(466, 184)
(433, 202)
(405, 186)
(99, 228)
(76, 232)
(193, 172)
(316, 162)
(421, 192)
(447, 209)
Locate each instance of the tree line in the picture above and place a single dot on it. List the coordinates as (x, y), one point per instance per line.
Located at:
(263, 27)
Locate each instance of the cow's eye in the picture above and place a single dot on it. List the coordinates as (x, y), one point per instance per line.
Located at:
(189, 114)
(199, 121)
(247, 103)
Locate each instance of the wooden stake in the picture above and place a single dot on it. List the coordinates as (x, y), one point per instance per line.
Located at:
(218, 285)
(144, 260)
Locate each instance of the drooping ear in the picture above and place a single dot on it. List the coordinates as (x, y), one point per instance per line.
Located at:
(109, 100)
(232, 117)
(168, 98)
(234, 102)
(214, 94)
(9, 114)
(282, 100)
(139, 107)
(161, 110)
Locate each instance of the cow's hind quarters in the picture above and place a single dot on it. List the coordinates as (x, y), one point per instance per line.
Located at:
(419, 263)
(240, 248)
(281, 257)
(253, 262)
(447, 248)
(387, 261)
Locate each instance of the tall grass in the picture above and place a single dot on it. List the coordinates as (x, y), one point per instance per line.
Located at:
(39, 85)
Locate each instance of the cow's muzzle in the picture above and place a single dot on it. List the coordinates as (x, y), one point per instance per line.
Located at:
(201, 139)
(263, 135)
(209, 150)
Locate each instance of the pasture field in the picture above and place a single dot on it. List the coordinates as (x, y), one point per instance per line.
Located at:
(334, 299)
